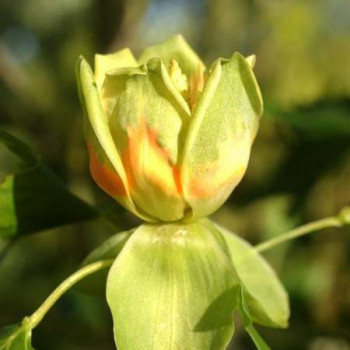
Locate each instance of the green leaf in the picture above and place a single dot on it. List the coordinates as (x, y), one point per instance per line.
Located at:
(266, 297)
(95, 284)
(36, 199)
(220, 135)
(322, 121)
(16, 337)
(172, 287)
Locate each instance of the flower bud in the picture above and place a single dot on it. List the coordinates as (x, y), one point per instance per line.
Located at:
(167, 137)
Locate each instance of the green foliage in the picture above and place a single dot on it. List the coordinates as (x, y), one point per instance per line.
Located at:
(323, 121)
(172, 286)
(265, 295)
(301, 152)
(16, 337)
(35, 199)
(177, 263)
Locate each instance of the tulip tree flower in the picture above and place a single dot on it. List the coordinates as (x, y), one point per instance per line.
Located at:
(168, 137)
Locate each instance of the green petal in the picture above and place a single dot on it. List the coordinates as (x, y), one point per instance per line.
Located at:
(266, 297)
(97, 131)
(220, 135)
(106, 63)
(172, 287)
(174, 48)
(147, 119)
(251, 60)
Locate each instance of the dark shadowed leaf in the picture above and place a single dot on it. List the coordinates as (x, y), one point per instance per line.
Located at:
(36, 199)
(325, 120)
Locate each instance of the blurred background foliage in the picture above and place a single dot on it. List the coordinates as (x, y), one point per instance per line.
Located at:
(299, 169)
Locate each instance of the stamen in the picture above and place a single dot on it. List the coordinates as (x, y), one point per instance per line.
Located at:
(179, 79)
(190, 88)
(196, 85)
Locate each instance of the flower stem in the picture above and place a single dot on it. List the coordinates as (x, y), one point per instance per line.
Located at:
(342, 219)
(5, 247)
(39, 314)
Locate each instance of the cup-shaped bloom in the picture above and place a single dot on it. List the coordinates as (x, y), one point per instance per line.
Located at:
(167, 137)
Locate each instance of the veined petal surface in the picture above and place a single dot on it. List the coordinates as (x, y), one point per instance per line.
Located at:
(109, 62)
(147, 124)
(220, 135)
(105, 163)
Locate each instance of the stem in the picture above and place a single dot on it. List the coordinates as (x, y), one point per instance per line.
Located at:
(6, 248)
(39, 314)
(329, 222)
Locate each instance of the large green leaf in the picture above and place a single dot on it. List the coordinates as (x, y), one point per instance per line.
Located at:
(36, 199)
(265, 295)
(172, 287)
(16, 337)
(95, 284)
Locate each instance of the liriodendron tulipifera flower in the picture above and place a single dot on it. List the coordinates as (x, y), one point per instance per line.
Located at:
(168, 137)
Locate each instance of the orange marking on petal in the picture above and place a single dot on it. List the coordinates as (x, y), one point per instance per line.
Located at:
(107, 178)
(222, 174)
(177, 178)
(226, 172)
(147, 163)
(213, 181)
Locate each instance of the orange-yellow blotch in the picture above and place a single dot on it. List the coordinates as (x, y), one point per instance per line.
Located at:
(213, 181)
(107, 178)
(146, 162)
(207, 180)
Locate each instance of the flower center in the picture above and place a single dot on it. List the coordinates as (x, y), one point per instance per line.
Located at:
(190, 87)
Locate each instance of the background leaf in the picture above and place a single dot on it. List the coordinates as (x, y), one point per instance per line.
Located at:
(172, 286)
(36, 199)
(18, 147)
(322, 121)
